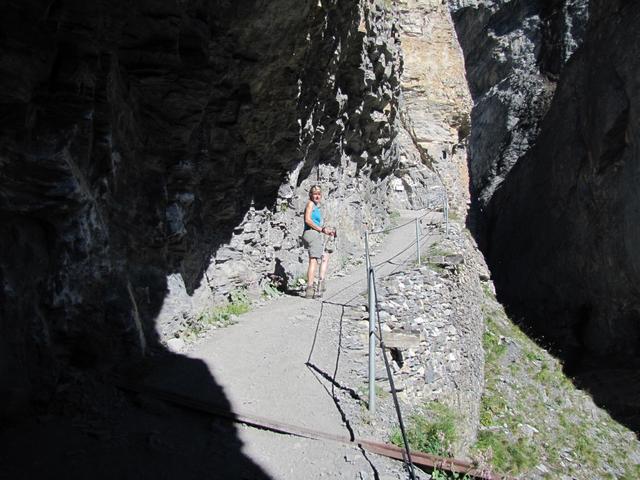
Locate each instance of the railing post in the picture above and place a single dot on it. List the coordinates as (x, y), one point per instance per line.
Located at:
(418, 241)
(372, 344)
(372, 327)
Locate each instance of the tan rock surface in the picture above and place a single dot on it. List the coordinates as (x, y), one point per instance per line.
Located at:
(437, 102)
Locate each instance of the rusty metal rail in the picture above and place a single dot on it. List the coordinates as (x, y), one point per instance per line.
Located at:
(421, 459)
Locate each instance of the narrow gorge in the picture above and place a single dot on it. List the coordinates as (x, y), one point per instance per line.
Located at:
(552, 156)
(155, 158)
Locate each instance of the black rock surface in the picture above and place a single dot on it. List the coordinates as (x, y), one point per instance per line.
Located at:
(134, 136)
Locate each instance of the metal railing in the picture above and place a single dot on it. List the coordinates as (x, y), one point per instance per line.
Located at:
(374, 317)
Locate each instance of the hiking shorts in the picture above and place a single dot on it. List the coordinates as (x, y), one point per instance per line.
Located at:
(313, 242)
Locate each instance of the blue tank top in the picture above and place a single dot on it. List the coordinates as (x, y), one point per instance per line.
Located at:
(316, 217)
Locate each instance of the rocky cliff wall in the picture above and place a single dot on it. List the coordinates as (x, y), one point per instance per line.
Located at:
(554, 159)
(146, 145)
(514, 52)
(577, 192)
(346, 96)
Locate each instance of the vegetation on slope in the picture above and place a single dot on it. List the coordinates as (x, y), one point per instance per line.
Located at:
(534, 422)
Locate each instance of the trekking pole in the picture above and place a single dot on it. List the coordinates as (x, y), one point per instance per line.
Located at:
(367, 260)
(418, 241)
(446, 214)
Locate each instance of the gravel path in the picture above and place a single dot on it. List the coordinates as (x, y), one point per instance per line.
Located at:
(278, 362)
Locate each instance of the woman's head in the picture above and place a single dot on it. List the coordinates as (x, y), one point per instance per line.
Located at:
(315, 191)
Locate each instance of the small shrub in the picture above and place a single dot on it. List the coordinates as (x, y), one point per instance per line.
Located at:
(438, 474)
(239, 302)
(269, 290)
(222, 315)
(434, 432)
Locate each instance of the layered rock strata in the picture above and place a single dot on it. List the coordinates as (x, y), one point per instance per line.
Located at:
(435, 97)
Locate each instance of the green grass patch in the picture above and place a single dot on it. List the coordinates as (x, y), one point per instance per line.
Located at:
(433, 431)
(632, 471)
(493, 347)
(508, 456)
(438, 474)
(486, 289)
(394, 216)
(437, 250)
(531, 389)
(223, 315)
(492, 406)
(454, 216)
(585, 447)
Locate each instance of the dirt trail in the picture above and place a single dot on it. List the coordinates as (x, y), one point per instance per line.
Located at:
(278, 362)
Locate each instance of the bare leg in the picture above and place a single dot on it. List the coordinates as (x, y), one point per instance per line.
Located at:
(311, 271)
(323, 266)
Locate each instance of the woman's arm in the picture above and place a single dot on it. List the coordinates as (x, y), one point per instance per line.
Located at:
(307, 218)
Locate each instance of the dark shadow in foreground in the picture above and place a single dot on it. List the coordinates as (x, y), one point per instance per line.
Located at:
(132, 435)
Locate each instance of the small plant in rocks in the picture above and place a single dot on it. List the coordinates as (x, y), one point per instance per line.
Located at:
(299, 282)
(270, 290)
(438, 474)
(239, 302)
(222, 315)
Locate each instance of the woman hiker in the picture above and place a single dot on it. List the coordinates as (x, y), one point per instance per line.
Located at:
(313, 241)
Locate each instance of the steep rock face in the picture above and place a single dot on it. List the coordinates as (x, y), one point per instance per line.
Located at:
(347, 91)
(560, 232)
(573, 204)
(435, 98)
(514, 52)
(137, 137)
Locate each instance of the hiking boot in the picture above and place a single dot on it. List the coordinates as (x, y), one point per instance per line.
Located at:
(322, 286)
(309, 293)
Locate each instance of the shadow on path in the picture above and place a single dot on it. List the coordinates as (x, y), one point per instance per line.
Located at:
(132, 436)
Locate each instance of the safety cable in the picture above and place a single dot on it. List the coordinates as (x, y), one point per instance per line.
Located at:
(423, 231)
(390, 229)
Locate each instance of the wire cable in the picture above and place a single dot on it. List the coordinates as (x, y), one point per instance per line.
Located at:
(390, 229)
